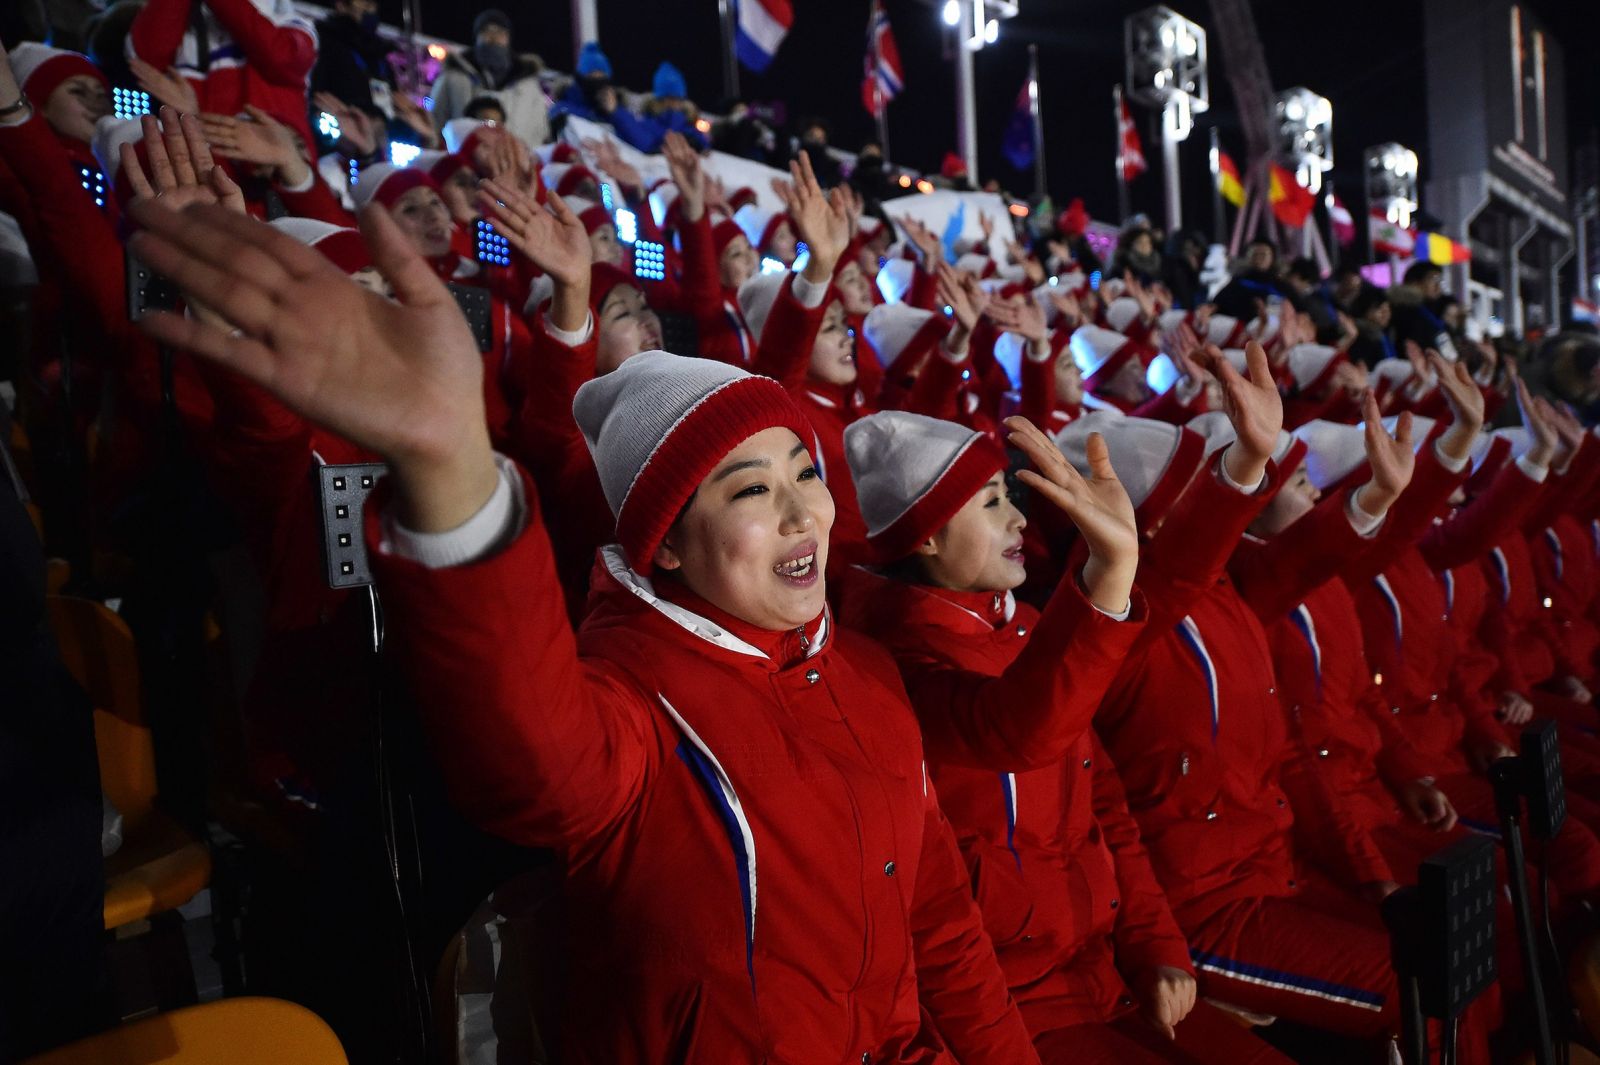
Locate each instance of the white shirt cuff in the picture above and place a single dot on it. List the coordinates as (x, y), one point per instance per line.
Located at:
(495, 524)
(1454, 465)
(1222, 474)
(571, 338)
(1532, 470)
(809, 293)
(1122, 615)
(1365, 525)
(1037, 353)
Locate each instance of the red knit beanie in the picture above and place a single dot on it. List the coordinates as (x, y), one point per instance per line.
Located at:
(343, 247)
(40, 70)
(603, 277)
(659, 424)
(724, 233)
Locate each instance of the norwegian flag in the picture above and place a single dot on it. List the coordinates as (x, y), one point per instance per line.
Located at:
(1130, 156)
(884, 77)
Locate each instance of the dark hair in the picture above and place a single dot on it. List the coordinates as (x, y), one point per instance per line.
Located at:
(1369, 297)
(1305, 269)
(1417, 273)
(478, 104)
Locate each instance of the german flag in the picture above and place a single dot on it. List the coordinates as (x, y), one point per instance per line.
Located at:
(1228, 182)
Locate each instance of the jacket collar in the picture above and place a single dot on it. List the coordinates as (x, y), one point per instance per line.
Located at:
(693, 614)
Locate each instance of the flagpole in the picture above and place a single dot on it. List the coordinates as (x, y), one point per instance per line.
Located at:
(1124, 208)
(730, 57)
(1219, 219)
(1038, 121)
(880, 111)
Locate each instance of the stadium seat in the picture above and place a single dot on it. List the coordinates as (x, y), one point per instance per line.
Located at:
(159, 866)
(234, 1031)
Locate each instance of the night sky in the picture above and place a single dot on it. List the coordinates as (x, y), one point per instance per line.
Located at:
(1366, 56)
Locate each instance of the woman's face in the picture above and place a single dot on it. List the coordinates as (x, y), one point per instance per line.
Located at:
(782, 245)
(833, 353)
(754, 540)
(424, 219)
(1293, 502)
(854, 289)
(738, 262)
(627, 327)
(1142, 245)
(1379, 316)
(1069, 381)
(460, 192)
(980, 549)
(76, 105)
(604, 245)
(1128, 383)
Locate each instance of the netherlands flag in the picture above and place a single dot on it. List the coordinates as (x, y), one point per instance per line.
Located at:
(762, 27)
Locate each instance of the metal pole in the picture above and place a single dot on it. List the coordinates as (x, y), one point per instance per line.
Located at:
(585, 24)
(1038, 121)
(1169, 156)
(730, 57)
(1219, 223)
(966, 97)
(1124, 207)
(880, 110)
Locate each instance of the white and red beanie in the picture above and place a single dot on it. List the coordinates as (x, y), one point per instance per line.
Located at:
(1100, 353)
(563, 179)
(756, 297)
(1154, 460)
(895, 279)
(110, 134)
(659, 424)
(1226, 331)
(913, 473)
(343, 247)
(386, 183)
(1111, 288)
(40, 70)
(591, 214)
(976, 264)
(1162, 374)
(460, 135)
(902, 335)
(1170, 320)
(1334, 451)
(1122, 312)
(1312, 366)
(1218, 432)
(759, 224)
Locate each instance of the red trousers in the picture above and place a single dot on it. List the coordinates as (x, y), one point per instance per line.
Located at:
(1208, 1036)
(1320, 959)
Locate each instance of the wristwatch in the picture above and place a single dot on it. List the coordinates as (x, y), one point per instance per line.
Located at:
(11, 109)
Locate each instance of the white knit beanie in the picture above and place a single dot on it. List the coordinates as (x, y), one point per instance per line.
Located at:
(1311, 365)
(659, 424)
(1334, 450)
(1122, 312)
(1422, 429)
(110, 134)
(343, 247)
(976, 264)
(1101, 352)
(895, 278)
(1154, 460)
(913, 473)
(901, 335)
(1111, 288)
(756, 297)
(1218, 433)
(1225, 331)
(1162, 374)
(759, 224)
(40, 69)
(457, 130)
(1172, 319)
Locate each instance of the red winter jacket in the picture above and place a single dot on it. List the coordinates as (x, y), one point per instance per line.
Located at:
(258, 59)
(1054, 857)
(720, 329)
(756, 867)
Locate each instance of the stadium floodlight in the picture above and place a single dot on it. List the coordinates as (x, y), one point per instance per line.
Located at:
(1304, 127)
(1167, 69)
(1392, 182)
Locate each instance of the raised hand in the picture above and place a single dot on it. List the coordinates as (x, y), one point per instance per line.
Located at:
(1392, 459)
(684, 164)
(925, 240)
(1254, 407)
(355, 126)
(1020, 315)
(549, 235)
(401, 378)
(963, 295)
(823, 223)
(1543, 433)
(182, 171)
(1067, 306)
(1568, 427)
(166, 87)
(1166, 996)
(1029, 263)
(261, 140)
(610, 161)
(1182, 345)
(1097, 505)
(986, 226)
(1132, 286)
(411, 113)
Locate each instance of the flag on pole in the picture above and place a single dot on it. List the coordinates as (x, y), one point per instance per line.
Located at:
(1130, 156)
(1440, 250)
(1291, 202)
(1389, 238)
(884, 77)
(1228, 182)
(1017, 144)
(1344, 225)
(762, 26)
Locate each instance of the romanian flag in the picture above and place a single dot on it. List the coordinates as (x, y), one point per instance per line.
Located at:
(1228, 182)
(1291, 202)
(1441, 250)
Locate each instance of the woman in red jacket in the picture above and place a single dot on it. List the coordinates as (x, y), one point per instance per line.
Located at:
(755, 865)
(1081, 926)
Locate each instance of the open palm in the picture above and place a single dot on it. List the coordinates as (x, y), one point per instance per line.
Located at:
(549, 235)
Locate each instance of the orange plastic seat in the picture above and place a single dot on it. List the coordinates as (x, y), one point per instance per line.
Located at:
(234, 1031)
(159, 866)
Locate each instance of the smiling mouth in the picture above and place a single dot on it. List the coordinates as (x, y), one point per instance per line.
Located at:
(802, 571)
(1014, 553)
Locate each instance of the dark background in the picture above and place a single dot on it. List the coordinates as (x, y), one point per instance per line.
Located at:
(1366, 56)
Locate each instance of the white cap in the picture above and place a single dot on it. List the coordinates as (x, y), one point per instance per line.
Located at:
(1153, 460)
(756, 297)
(1333, 450)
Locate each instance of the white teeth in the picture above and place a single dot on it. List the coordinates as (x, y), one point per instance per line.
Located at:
(798, 568)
